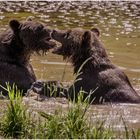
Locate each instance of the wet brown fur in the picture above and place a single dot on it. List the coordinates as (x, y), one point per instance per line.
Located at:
(109, 83)
(16, 46)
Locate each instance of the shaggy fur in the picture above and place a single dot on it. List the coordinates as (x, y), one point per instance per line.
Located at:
(98, 74)
(16, 46)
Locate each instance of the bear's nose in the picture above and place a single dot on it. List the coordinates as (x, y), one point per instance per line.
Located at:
(53, 32)
(47, 31)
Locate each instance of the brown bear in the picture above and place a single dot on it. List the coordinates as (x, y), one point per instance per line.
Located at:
(96, 75)
(16, 46)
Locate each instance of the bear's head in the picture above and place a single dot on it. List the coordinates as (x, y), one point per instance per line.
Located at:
(78, 45)
(31, 36)
(74, 40)
(23, 39)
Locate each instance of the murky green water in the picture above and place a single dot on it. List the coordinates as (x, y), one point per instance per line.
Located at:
(119, 23)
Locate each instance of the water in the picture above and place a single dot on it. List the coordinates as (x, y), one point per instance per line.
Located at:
(119, 24)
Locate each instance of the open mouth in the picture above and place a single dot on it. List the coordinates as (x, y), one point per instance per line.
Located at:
(49, 38)
(58, 50)
(50, 43)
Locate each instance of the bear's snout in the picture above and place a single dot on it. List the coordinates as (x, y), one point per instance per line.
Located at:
(58, 35)
(53, 34)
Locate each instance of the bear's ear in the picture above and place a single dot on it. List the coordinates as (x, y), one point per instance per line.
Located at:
(14, 24)
(96, 31)
(86, 39)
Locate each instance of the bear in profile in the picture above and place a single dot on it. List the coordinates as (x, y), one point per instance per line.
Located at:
(16, 46)
(96, 75)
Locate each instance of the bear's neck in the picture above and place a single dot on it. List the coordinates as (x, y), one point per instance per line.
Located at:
(17, 52)
(94, 59)
(20, 57)
(12, 50)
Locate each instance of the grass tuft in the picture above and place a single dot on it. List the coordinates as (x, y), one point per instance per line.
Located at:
(15, 119)
(72, 124)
